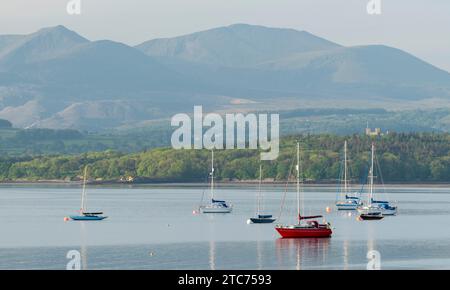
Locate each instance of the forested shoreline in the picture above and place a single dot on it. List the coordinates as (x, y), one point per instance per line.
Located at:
(405, 157)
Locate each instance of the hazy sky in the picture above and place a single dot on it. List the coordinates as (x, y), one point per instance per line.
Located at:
(421, 27)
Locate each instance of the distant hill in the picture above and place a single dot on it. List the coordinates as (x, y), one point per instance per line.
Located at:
(144, 135)
(55, 78)
(260, 62)
(45, 44)
(236, 45)
(362, 64)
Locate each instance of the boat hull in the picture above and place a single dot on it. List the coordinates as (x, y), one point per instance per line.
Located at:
(384, 211)
(88, 218)
(369, 210)
(304, 232)
(215, 210)
(346, 206)
(262, 220)
(389, 211)
(371, 217)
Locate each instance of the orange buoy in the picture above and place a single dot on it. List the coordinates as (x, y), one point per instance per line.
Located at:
(328, 209)
(66, 219)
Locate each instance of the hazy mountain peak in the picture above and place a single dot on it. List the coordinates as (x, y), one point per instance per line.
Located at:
(376, 64)
(43, 44)
(236, 45)
(59, 31)
(54, 68)
(252, 27)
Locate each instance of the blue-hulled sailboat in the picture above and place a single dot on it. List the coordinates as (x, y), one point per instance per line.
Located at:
(84, 214)
(385, 207)
(350, 201)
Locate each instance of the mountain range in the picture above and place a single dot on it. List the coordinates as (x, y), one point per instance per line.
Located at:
(55, 78)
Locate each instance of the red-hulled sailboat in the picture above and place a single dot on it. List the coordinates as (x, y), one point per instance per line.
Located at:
(307, 226)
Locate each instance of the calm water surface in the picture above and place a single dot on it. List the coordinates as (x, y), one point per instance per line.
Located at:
(153, 227)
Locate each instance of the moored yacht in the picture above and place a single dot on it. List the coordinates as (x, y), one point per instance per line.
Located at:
(349, 201)
(84, 214)
(374, 210)
(215, 206)
(261, 218)
(307, 226)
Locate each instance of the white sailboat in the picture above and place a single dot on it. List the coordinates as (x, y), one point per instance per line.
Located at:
(377, 205)
(215, 206)
(351, 201)
(385, 207)
(368, 211)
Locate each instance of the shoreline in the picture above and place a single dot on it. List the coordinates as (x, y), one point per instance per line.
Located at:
(176, 183)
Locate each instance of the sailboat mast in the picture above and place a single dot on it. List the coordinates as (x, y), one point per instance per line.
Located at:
(345, 168)
(83, 193)
(212, 174)
(298, 181)
(371, 175)
(258, 211)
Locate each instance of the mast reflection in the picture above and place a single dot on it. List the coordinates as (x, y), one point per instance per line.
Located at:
(301, 253)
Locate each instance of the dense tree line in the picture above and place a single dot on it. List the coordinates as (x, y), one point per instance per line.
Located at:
(412, 157)
(20, 142)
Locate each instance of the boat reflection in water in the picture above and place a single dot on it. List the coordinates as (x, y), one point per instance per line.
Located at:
(212, 255)
(78, 258)
(84, 249)
(259, 256)
(345, 255)
(303, 253)
(347, 214)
